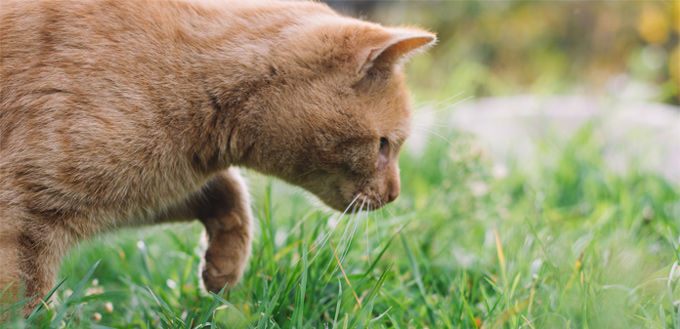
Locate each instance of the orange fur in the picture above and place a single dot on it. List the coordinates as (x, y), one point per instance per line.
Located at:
(118, 113)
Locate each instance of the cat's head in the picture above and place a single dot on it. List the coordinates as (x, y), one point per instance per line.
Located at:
(335, 113)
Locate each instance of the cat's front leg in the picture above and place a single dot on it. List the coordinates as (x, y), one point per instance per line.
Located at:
(30, 253)
(223, 206)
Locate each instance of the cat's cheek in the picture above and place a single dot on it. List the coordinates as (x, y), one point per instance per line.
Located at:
(383, 161)
(347, 195)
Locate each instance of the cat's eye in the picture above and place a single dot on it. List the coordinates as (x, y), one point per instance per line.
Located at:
(383, 153)
(383, 144)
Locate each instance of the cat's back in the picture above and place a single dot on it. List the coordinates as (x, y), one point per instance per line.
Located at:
(58, 50)
(73, 37)
(86, 86)
(44, 24)
(58, 32)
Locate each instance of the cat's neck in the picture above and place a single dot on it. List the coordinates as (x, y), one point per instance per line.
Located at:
(232, 55)
(228, 67)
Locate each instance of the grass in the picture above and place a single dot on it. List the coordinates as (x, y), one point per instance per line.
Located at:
(567, 244)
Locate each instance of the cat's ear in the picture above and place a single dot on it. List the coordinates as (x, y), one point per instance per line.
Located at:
(391, 46)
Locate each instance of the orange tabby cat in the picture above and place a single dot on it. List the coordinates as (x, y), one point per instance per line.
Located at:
(119, 113)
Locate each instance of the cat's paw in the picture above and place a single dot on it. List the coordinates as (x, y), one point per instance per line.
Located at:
(218, 272)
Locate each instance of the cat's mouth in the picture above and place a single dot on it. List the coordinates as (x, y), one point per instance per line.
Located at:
(369, 195)
(347, 196)
(363, 201)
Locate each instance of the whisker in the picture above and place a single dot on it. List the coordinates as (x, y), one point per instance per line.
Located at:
(350, 204)
(350, 237)
(355, 215)
(342, 238)
(434, 133)
(430, 125)
(306, 173)
(450, 106)
(443, 101)
(375, 220)
(354, 228)
(325, 237)
(384, 206)
(368, 244)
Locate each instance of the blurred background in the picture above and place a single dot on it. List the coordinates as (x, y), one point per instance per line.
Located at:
(519, 73)
(492, 48)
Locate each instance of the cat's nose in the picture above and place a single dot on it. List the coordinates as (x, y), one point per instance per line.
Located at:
(394, 193)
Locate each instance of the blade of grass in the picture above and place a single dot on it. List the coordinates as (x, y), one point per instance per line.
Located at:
(369, 300)
(76, 293)
(468, 311)
(209, 312)
(417, 277)
(343, 272)
(337, 306)
(167, 311)
(238, 313)
(298, 313)
(17, 304)
(382, 252)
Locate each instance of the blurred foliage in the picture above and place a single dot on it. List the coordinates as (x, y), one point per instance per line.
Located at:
(489, 48)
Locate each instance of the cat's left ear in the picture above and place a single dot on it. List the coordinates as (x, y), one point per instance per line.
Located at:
(392, 46)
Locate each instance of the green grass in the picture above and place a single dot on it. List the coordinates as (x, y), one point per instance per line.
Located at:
(566, 244)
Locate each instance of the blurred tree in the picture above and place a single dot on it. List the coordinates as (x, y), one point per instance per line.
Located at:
(510, 47)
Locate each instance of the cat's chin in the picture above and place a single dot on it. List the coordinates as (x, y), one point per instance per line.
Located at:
(344, 197)
(360, 202)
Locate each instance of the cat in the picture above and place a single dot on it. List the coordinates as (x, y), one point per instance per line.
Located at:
(118, 113)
